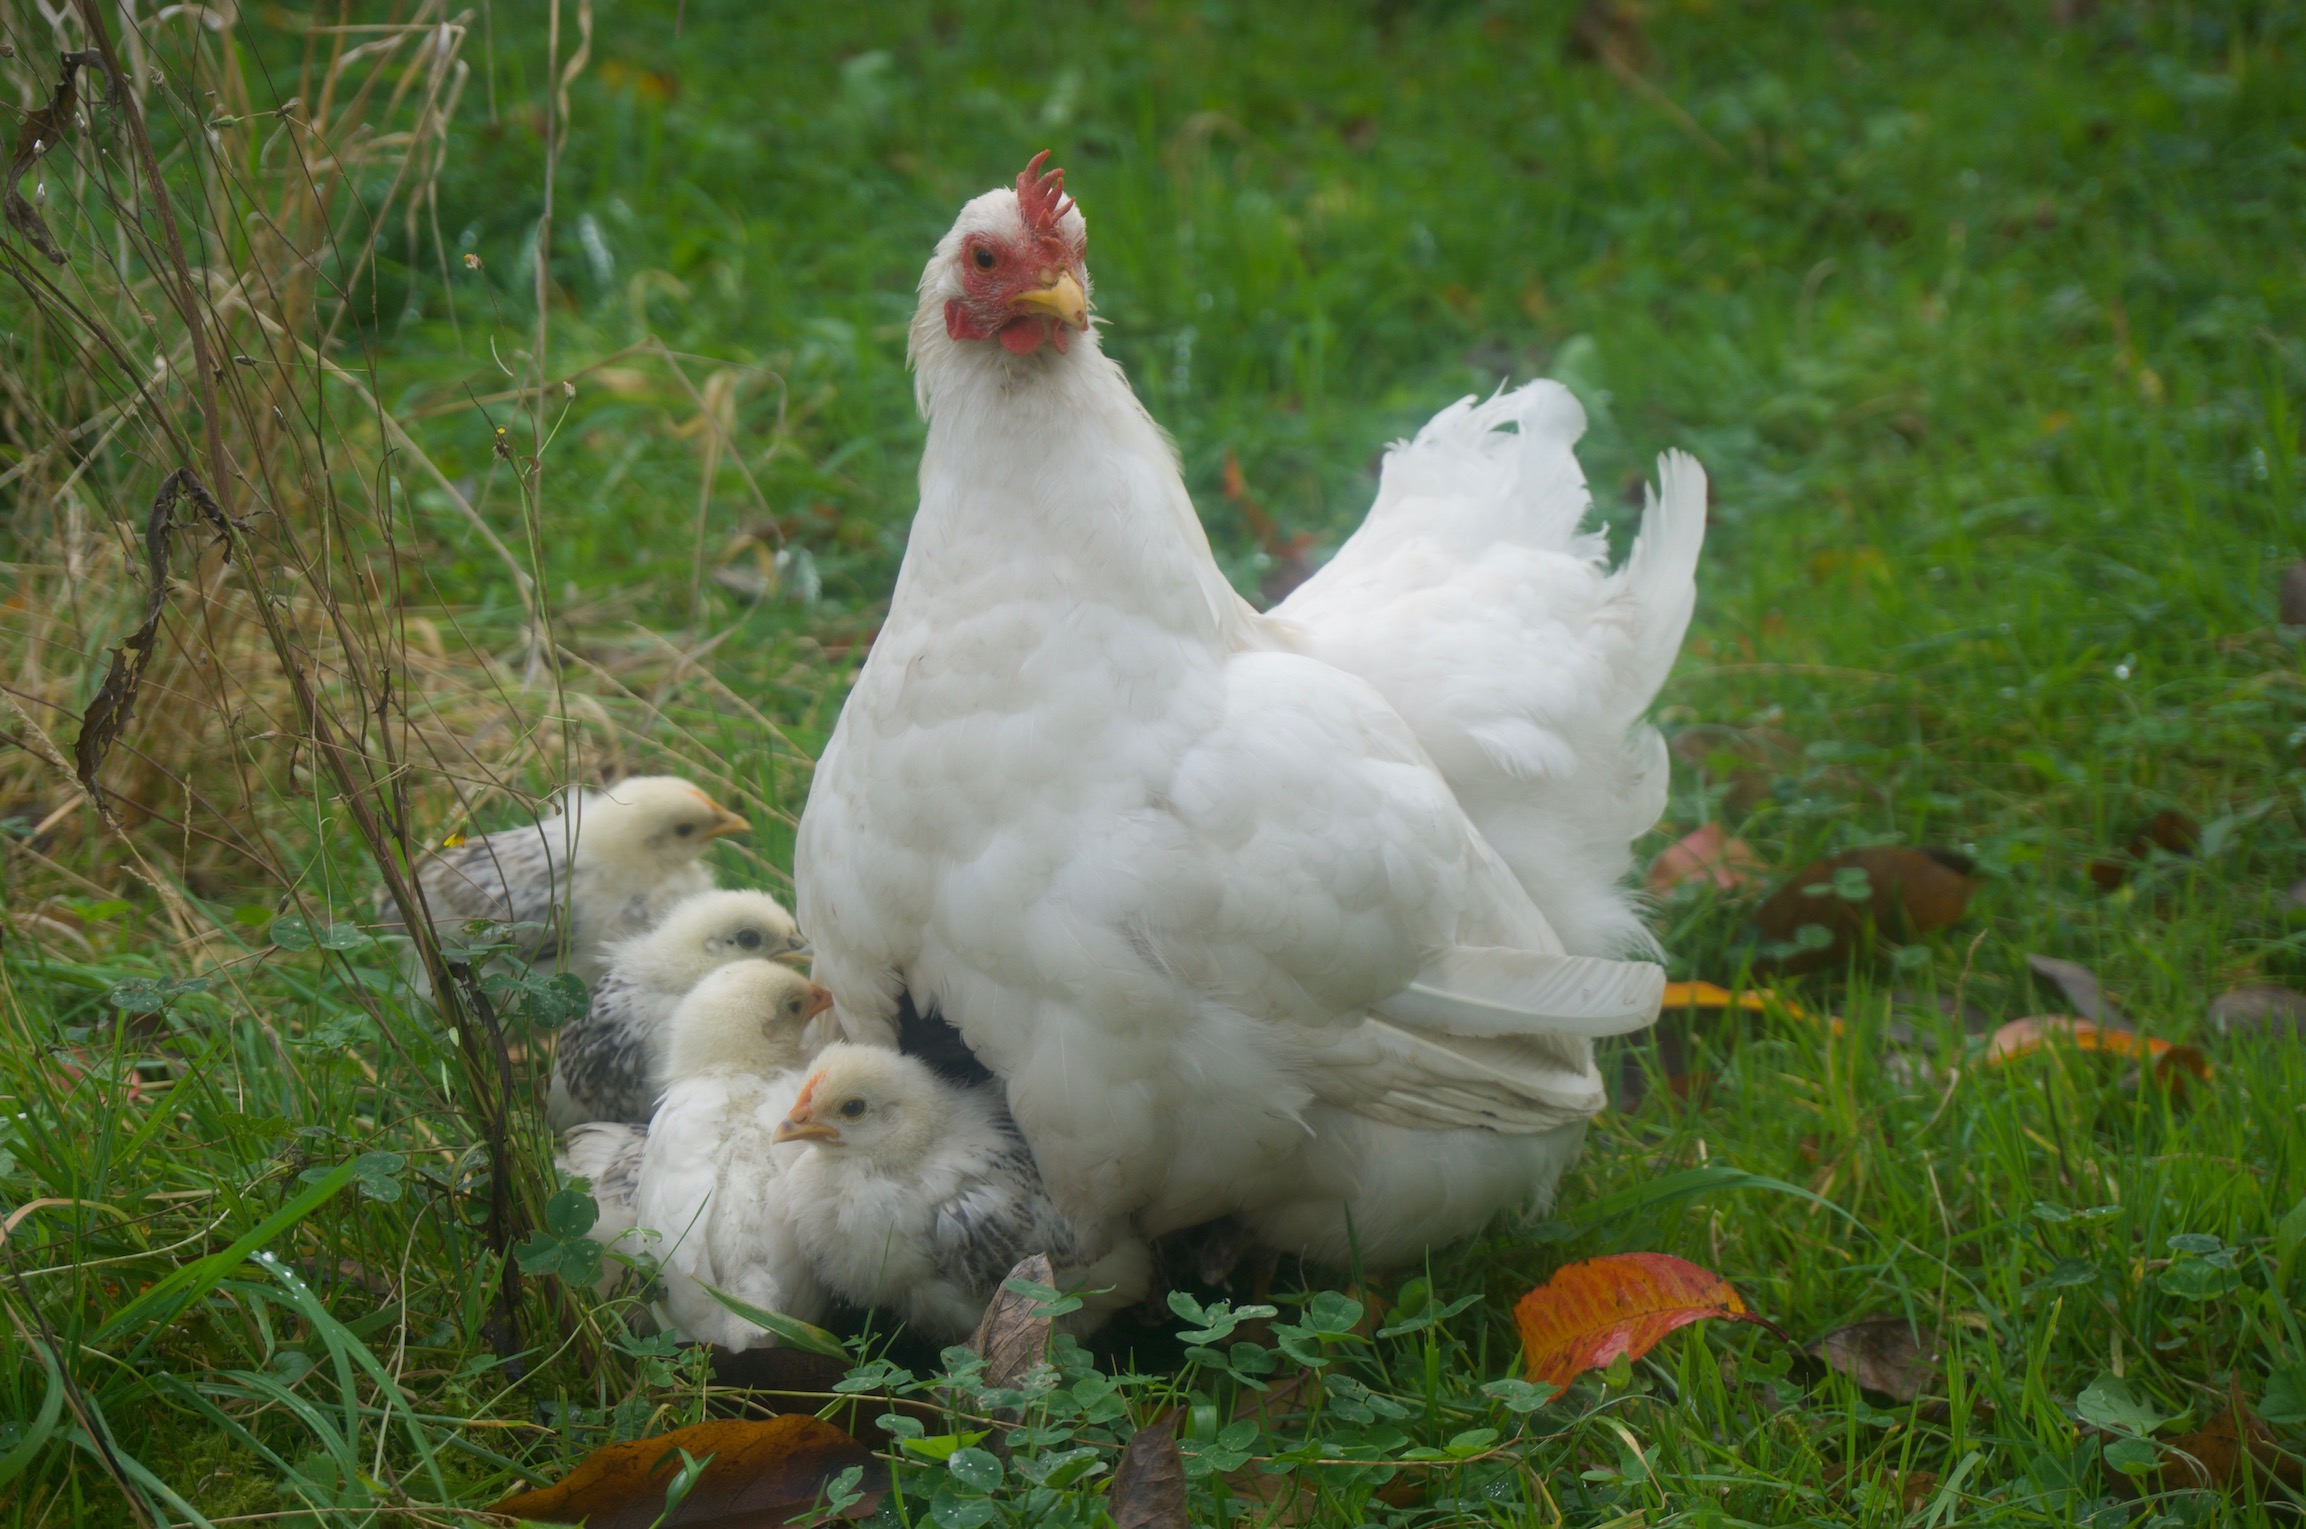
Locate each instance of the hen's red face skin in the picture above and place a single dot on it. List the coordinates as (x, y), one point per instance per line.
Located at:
(1022, 291)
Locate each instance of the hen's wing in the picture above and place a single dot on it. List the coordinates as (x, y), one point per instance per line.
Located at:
(1361, 913)
(1472, 601)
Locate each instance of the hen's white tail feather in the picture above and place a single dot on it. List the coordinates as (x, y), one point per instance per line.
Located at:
(1477, 606)
(1660, 573)
(1496, 991)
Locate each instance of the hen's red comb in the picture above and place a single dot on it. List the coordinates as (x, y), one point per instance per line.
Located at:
(1041, 198)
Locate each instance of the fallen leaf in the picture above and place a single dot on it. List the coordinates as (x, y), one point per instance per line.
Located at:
(2214, 1455)
(1898, 891)
(2022, 1036)
(2079, 984)
(2259, 1007)
(762, 1471)
(1610, 32)
(1883, 1355)
(2292, 598)
(1590, 1313)
(1705, 854)
(1148, 1489)
(1914, 1489)
(1707, 995)
(1012, 1338)
(2170, 830)
(1282, 1501)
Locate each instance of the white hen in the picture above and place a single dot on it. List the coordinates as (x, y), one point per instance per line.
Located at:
(707, 1184)
(1308, 917)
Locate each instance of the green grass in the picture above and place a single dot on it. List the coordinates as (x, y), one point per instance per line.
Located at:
(1991, 331)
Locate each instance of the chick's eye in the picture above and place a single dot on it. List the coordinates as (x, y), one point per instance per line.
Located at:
(749, 938)
(852, 1108)
(983, 255)
(686, 829)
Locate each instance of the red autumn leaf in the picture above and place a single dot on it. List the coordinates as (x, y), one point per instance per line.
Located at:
(763, 1471)
(1705, 854)
(2020, 1037)
(1590, 1313)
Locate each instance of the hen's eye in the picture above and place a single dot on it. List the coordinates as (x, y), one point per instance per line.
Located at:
(984, 258)
(853, 1108)
(749, 938)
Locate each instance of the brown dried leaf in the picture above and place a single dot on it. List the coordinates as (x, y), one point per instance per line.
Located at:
(2226, 1451)
(2259, 1007)
(2170, 830)
(1011, 1339)
(1611, 32)
(2291, 599)
(763, 1472)
(1910, 891)
(1705, 854)
(41, 130)
(1914, 1488)
(115, 699)
(1148, 1489)
(1883, 1355)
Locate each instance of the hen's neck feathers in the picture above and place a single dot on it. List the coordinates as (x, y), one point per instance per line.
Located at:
(1043, 473)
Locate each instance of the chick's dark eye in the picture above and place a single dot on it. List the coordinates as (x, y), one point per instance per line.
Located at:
(749, 938)
(686, 829)
(983, 255)
(853, 1108)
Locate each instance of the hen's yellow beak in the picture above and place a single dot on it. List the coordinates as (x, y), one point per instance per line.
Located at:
(1062, 300)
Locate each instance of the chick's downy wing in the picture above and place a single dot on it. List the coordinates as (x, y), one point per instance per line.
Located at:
(1362, 915)
(513, 876)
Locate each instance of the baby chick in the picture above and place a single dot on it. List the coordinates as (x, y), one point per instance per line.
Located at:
(615, 859)
(606, 1154)
(606, 1064)
(706, 1185)
(919, 1196)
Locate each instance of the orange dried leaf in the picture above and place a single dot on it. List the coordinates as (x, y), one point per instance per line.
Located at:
(1706, 995)
(2021, 1037)
(762, 1471)
(1590, 1313)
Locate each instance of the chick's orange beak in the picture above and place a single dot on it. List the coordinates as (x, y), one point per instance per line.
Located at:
(725, 823)
(801, 1126)
(820, 999)
(1062, 299)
